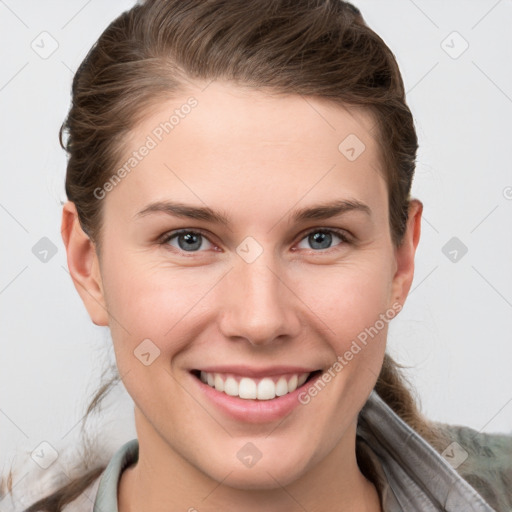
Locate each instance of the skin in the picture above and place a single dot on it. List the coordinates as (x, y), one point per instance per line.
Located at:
(256, 158)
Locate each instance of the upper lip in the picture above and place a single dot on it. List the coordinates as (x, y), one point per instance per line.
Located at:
(247, 371)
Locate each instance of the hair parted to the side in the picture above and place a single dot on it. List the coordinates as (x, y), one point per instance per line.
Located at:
(317, 48)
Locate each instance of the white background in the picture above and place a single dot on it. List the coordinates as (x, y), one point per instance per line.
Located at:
(455, 330)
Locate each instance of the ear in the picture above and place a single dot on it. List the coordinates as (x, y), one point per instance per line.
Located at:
(83, 265)
(404, 254)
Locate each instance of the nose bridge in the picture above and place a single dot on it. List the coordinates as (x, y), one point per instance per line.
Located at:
(259, 307)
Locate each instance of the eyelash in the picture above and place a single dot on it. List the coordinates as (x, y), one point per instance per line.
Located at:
(342, 235)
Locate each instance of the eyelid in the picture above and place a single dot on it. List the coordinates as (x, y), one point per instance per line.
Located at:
(169, 235)
(341, 233)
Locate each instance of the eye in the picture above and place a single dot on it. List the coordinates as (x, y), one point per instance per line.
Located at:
(321, 239)
(194, 241)
(186, 240)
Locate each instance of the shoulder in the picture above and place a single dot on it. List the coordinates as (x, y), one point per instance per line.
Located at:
(484, 460)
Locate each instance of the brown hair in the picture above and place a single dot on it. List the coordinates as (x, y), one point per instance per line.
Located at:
(317, 48)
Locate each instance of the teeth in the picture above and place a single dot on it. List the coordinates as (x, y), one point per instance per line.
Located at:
(266, 389)
(219, 383)
(247, 388)
(303, 378)
(281, 387)
(231, 387)
(292, 384)
(251, 389)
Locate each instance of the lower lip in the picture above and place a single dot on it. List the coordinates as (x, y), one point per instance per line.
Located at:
(254, 411)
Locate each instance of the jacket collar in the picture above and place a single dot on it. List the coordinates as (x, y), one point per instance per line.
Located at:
(412, 474)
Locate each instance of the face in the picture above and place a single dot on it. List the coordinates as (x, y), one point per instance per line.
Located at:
(248, 249)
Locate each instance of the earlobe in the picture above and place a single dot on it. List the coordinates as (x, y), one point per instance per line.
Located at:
(404, 254)
(83, 265)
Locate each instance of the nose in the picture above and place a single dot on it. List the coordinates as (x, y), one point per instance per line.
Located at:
(258, 304)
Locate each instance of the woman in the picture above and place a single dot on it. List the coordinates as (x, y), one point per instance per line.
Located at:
(240, 217)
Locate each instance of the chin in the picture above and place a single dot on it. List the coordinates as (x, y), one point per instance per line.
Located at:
(263, 478)
(268, 472)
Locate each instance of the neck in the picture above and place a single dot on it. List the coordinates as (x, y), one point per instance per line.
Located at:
(162, 481)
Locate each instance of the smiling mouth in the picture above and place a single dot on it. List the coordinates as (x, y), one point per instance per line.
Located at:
(247, 388)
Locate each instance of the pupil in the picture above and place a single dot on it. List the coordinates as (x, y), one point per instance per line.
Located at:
(192, 241)
(324, 239)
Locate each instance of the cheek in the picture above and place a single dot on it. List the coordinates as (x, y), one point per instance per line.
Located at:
(150, 302)
(353, 305)
(150, 308)
(348, 298)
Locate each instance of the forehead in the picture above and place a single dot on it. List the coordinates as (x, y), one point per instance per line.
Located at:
(246, 145)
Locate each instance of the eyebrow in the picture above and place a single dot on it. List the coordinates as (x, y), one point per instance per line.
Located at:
(317, 212)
